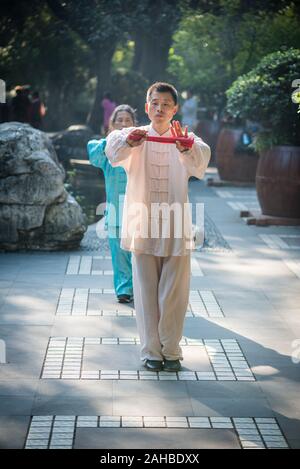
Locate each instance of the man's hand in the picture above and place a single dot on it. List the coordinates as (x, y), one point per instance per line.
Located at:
(177, 131)
(136, 137)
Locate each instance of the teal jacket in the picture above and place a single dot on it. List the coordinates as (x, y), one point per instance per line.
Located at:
(115, 182)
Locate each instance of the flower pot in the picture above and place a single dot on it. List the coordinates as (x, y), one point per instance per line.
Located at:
(234, 165)
(278, 181)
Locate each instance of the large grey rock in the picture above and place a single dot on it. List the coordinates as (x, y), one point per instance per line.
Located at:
(36, 212)
(17, 219)
(41, 183)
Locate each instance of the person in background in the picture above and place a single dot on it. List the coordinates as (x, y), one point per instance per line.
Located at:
(189, 111)
(37, 111)
(108, 108)
(115, 182)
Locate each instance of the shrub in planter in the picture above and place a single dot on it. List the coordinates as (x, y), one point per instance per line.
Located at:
(265, 95)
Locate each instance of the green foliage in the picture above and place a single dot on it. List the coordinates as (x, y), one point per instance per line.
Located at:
(212, 50)
(264, 95)
(46, 54)
(95, 21)
(265, 139)
(64, 48)
(123, 56)
(14, 14)
(42, 52)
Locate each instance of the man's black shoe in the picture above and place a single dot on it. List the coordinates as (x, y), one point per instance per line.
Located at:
(153, 365)
(172, 365)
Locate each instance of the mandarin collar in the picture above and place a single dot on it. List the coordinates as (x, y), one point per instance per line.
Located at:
(153, 132)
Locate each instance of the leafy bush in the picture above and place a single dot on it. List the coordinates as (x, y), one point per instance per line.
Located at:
(264, 95)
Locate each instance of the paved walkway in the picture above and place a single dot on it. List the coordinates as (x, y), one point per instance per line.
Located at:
(74, 379)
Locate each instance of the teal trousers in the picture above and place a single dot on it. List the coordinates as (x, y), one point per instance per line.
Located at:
(121, 261)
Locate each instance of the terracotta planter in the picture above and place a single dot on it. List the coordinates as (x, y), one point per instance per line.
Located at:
(278, 182)
(209, 131)
(232, 164)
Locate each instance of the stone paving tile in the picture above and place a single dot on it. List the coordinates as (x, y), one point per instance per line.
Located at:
(280, 241)
(20, 387)
(90, 265)
(49, 431)
(245, 205)
(13, 431)
(64, 360)
(294, 266)
(234, 193)
(90, 302)
(156, 438)
(16, 405)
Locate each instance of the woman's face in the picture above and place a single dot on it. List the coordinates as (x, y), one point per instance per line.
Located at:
(123, 119)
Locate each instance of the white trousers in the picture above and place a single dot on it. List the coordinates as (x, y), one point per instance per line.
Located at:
(161, 295)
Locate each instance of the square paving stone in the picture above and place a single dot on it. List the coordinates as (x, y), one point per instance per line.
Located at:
(13, 430)
(169, 398)
(149, 438)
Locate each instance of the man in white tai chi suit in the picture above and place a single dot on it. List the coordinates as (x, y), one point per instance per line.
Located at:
(157, 226)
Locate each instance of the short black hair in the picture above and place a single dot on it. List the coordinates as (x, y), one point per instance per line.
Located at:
(162, 87)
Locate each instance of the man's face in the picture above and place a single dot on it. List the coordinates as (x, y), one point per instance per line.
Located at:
(161, 107)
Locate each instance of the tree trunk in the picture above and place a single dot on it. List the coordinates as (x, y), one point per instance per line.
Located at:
(153, 39)
(151, 54)
(103, 74)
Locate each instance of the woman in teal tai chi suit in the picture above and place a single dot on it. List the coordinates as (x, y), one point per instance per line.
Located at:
(115, 184)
